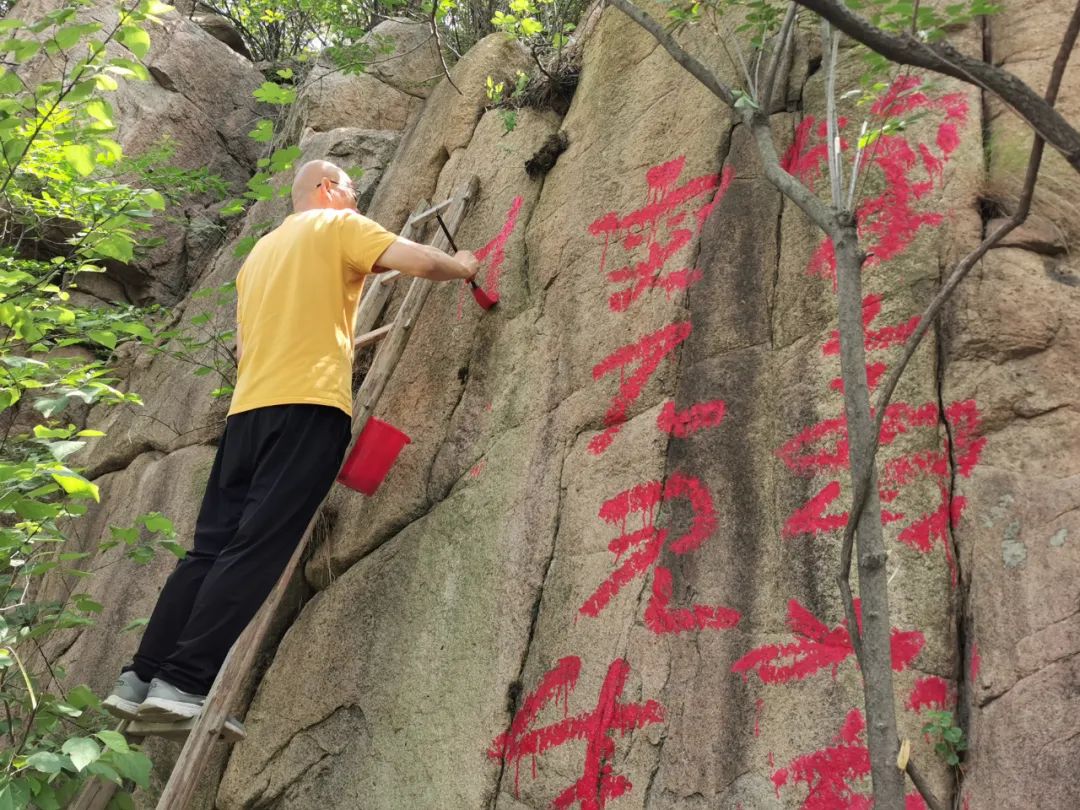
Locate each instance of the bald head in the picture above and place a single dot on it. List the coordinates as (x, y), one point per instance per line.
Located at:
(321, 184)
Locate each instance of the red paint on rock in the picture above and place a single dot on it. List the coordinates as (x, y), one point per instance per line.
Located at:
(889, 222)
(976, 662)
(644, 546)
(824, 448)
(817, 647)
(647, 353)
(598, 783)
(929, 692)
(655, 226)
(828, 773)
(836, 775)
(697, 417)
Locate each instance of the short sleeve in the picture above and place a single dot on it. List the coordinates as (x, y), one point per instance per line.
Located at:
(363, 241)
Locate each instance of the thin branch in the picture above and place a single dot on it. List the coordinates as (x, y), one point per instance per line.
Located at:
(923, 786)
(438, 47)
(830, 42)
(941, 57)
(781, 46)
(862, 486)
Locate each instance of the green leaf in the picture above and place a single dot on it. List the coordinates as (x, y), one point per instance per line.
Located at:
(35, 510)
(45, 762)
(134, 624)
(115, 246)
(121, 801)
(103, 336)
(101, 110)
(134, 39)
(68, 36)
(81, 697)
(263, 132)
(80, 158)
(114, 741)
(77, 486)
(153, 199)
(82, 751)
(63, 449)
(272, 93)
(156, 522)
(9, 82)
(134, 766)
(283, 159)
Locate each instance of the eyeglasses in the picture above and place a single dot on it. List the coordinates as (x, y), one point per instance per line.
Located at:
(347, 188)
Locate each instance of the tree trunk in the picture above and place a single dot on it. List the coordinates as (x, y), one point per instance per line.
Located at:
(875, 652)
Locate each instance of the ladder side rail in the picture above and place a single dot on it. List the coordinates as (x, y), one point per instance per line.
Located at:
(378, 285)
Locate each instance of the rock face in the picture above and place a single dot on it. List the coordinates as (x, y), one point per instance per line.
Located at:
(604, 572)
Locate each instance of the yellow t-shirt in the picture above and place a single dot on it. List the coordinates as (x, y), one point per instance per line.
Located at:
(296, 303)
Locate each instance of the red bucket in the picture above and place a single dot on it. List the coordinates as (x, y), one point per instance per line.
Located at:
(372, 456)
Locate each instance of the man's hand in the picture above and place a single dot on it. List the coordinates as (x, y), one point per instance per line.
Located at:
(472, 264)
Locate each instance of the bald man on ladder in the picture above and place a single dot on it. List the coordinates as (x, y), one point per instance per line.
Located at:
(286, 433)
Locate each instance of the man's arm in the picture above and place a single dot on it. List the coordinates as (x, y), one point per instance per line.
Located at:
(413, 259)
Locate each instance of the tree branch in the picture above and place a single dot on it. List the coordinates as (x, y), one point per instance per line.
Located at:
(691, 63)
(923, 786)
(774, 64)
(965, 265)
(941, 57)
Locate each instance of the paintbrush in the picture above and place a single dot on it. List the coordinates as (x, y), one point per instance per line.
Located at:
(482, 298)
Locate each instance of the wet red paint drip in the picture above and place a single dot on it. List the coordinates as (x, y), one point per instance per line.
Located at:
(697, 417)
(929, 692)
(647, 353)
(824, 448)
(889, 222)
(496, 250)
(976, 662)
(833, 774)
(598, 783)
(644, 545)
(817, 647)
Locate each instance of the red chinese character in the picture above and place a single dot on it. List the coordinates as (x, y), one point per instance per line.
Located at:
(655, 227)
(810, 452)
(889, 222)
(816, 647)
(598, 782)
(647, 352)
(643, 546)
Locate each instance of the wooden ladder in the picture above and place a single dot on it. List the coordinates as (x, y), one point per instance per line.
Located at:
(214, 722)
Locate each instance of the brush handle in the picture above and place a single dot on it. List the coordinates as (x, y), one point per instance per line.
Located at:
(446, 230)
(453, 247)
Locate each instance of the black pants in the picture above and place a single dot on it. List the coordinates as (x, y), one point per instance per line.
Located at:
(273, 467)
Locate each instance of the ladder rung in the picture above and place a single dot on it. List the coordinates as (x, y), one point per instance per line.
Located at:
(233, 731)
(374, 336)
(424, 216)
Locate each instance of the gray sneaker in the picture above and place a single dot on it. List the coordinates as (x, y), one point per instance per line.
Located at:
(165, 703)
(123, 701)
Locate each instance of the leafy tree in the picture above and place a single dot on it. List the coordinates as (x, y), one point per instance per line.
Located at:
(64, 211)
